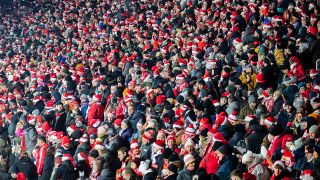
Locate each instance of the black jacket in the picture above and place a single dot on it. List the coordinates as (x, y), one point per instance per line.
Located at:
(47, 167)
(65, 172)
(254, 140)
(25, 166)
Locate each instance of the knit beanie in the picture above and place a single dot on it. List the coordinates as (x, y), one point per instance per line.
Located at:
(188, 159)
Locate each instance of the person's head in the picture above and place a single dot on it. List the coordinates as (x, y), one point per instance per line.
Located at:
(128, 173)
(278, 168)
(41, 140)
(98, 164)
(59, 106)
(189, 162)
(236, 174)
(122, 153)
(288, 107)
(131, 110)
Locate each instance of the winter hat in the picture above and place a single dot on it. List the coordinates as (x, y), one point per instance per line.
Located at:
(233, 117)
(94, 153)
(84, 138)
(252, 99)
(97, 97)
(249, 118)
(307, 174)
(170, 138)
(313, 129)
(279, 163)
(134, 144)
(173, 168)
(66, 157)
(189, 142)
(225, 149)
(46, 126)
(82, 156)
(275, 130)
(260, 78)
(188, 159)
(31, 119)
(159, 144)
(148, 135)
(178, 124)
(270, 121)
(71, 129)
(65, 140)
(190, 131)
(219, 138)
(313, 72)
(216, 103)
(247, 157)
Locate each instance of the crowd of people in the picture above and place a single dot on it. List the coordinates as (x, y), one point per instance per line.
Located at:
(160, 89)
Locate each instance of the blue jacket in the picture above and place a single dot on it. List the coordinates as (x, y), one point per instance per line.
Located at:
(227, 165)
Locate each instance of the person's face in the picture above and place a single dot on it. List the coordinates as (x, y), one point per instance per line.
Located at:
(288, 108)
(191, 166)
(170, 144)
(136, 151)
(130, 110)
(125, 175)
(113, 89)
(315, 154)
(124, 126)
(59, 107)
(144, 141)
(121, 155)
(252, 105)
(139, 127)
(235, 178)
(299, 117)
(277, 171)
(133, 165)
(92, 141)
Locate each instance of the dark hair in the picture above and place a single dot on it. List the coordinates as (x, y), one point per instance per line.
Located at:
(236, 172)
(42, 138)
(123, 149)
(51, 150)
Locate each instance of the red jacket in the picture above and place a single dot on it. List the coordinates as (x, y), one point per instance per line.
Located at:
(40, 155)
(95, 111)
(210, 163)
(275, 144)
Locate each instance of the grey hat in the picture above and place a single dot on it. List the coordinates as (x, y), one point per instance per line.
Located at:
(252, 99)
(313, 129)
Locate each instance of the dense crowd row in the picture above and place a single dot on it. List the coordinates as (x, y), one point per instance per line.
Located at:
(160, 89)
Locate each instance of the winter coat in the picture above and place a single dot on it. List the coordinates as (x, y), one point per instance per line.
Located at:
(227, 164)
(258, 170)
(237, 136)
(145, 151)
(252, 81)
(284, 117)
(65, 172)
(59, 122)
(245, 111)
(210, 163)
(275, 144)
(255, 139)
(125, 136)
(185, 175)
(315, 51)
(106, 174)
(82, 167)
(47, 167)
(30, 135)
(40, 156)
(277, 105)
(137, 116)
(26, 166)
(95, 111)
(115, 144)
(85, 148)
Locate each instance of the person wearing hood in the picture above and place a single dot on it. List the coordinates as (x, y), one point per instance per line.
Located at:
(255, 166)
(24, 165)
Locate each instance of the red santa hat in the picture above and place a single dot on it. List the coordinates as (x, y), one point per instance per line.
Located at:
(66, 157)
(178, 124)
(219, 137)
(260, 78)
(65, 140)
(159, 144)
(97, 97)
(82, 156)
(233, 117)
(31, 119)
(134, 144)
(190, 130)
(170, 137)
(249, 118)
(84, 138)
(270, 120)
(71, 129)
(149, 135)
(307, 174)
(313, 72)
(216, 103)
